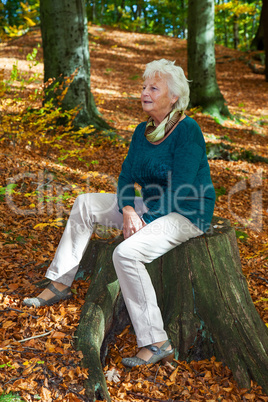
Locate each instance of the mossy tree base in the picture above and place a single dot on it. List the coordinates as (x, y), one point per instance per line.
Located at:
(204, 89)
(66, 60)
(204, 299)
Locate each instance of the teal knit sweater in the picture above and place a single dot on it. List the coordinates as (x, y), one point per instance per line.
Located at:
(174, 175)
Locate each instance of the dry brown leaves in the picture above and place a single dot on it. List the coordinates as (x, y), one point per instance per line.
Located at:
(48, 367)
(206, 380)
(37, 355)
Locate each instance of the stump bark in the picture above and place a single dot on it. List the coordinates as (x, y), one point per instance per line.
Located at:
(204, 299)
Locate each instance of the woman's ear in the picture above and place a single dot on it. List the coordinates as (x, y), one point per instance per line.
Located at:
(174, 99)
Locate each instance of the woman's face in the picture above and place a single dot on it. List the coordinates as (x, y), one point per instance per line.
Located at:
(156, 99)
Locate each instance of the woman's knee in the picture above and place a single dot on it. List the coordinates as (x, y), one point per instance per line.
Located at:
(79, 201)
(118, 254)
(85, 202)
(121, 253)
(126, 251)
(82, 210)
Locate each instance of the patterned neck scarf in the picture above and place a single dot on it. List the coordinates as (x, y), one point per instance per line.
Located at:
(154, 134)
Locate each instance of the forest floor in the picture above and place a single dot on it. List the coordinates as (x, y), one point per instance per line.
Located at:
(42, 171)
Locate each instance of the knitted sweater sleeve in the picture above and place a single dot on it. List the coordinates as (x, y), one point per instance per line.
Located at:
(125, 188)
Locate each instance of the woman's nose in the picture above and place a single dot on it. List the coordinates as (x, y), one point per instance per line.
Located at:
(145, 91)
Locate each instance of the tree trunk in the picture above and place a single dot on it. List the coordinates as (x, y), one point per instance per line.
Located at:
(139, 8)
(201, 59)
(225, 30)
(145, 17)
(236, 32)
(258, 41)
(182, 21)
(246, 34)
(120, 10)
(204, 299)
(66, 52)
(265, 17)
(134, 12)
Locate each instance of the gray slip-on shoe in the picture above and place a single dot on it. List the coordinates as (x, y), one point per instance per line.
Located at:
(158, 354)
(39, 302)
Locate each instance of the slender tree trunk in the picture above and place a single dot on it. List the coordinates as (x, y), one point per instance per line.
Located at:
(94, 11)
(265, 13)
(174, 27)
(145, 17)
(201, 59)
(101, 11)
(120, 10)
(258, 41)
(133, 12)
(184, 24)
(139, 8)
(246, 34)
(66, 52)
(89, 12)
(225, 26)
(225, 31)
(236, 32)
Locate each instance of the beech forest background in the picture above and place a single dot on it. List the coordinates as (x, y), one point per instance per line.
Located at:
(46, 160)
(236, 22)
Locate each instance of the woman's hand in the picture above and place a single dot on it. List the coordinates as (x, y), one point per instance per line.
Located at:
(131, 222)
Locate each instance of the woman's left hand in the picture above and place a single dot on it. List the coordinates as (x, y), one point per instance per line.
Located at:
(132, 222)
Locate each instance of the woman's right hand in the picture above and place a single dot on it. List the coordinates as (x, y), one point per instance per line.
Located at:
(132, 223)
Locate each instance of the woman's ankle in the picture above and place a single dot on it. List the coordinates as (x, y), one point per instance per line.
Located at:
(59, 286)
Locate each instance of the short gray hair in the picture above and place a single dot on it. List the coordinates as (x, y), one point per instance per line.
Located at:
(176, 80)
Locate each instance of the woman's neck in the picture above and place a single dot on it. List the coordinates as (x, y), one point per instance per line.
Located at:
(158, 119)
(163, 139)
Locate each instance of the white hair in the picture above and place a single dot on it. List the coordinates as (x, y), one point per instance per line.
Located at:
(175, 77)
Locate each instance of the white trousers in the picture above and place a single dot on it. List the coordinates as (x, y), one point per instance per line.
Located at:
(149, 243)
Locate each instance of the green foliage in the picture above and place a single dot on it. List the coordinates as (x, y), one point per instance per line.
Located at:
(220, 191)
(169, 17)
(225, 152)
(242, 236)
(245, 14)
(225, 137)
(10, 397)
(153, 16)
(137, 192)
(218, 151)
(48, 127)
(22, 77)
(6, 365)
(248, 156)
(32, 57)
(134, 77)
(9, 189)
(165, 17)
(16, 17)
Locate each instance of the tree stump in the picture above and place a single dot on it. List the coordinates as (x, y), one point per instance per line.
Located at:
(204, 299)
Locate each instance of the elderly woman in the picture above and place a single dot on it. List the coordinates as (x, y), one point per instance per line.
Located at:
(167, 158)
